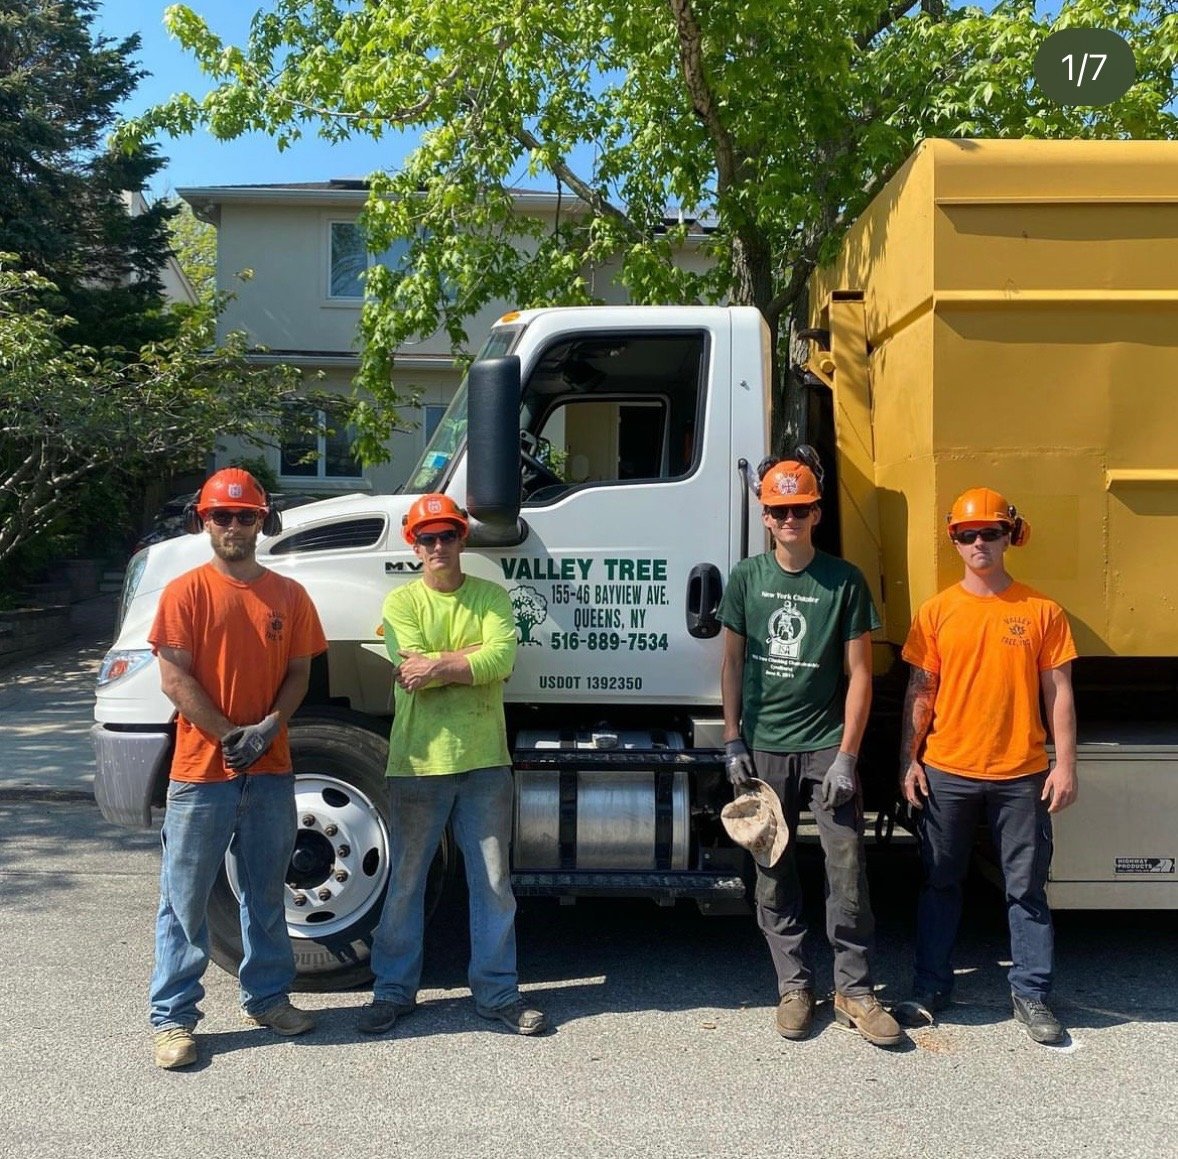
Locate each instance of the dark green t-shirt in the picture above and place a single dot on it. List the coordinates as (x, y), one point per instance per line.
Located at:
(795, 627)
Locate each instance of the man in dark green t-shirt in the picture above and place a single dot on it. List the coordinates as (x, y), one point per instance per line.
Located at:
(796, 621)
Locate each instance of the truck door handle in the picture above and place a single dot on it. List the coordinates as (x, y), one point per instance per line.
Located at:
(704, 588)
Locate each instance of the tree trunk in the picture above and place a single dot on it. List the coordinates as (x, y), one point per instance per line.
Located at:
(753, 285)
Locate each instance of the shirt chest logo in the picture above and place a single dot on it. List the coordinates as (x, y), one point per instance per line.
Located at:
(274, 627)
(1017, 632)
(787, 627)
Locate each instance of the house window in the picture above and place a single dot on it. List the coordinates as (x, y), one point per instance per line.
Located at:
(325, 454)
(350, 258)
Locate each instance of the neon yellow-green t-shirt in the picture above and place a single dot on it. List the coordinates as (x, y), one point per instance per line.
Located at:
(450, 728)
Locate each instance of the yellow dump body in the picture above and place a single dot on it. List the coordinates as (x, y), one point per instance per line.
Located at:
(1005, 314)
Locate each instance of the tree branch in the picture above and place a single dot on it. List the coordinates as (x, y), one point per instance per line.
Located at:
(803, 267)
(600, 204)
(702, 99)
(400, 116)
(933, 8)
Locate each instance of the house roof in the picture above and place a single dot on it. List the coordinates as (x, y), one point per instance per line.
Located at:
(348, 359)
(206, 200)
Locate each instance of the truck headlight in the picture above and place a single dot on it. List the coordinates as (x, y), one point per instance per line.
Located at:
(122, 662)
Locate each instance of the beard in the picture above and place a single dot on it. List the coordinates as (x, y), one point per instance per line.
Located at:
(233, 552)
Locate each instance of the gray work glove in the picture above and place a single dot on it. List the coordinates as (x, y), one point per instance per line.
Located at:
(738, 764)
(241, 747)
(838, 786)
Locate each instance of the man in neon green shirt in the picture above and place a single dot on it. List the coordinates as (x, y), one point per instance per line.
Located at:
(452, 638)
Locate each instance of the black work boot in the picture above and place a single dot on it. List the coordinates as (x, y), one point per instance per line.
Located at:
(922, 1008)
(1042, 1026)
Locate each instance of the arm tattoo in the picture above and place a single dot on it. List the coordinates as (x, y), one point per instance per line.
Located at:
(918, 714)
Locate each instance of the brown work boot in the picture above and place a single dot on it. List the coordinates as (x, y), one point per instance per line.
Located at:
(795, 1014)
(864, 1014)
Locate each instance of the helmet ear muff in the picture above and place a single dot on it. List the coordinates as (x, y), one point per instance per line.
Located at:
(193, 524)
(272, 522)
(1020, 529)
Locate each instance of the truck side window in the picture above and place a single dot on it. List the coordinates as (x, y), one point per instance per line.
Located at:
(601, 410)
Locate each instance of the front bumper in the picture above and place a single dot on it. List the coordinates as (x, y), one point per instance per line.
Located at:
(132, 773)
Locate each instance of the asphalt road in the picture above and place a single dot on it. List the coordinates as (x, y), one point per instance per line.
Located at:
(663, 1043)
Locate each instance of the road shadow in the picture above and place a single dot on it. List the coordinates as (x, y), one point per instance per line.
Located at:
(606, 956)
(46, 710)
(56, 839)
(603, 956)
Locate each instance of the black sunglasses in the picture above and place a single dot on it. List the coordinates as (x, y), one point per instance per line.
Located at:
(985, 534)
(428, 539)
(797, 510)
(246, 518)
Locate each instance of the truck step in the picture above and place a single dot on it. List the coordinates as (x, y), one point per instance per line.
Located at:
(629, 883)
(640, 760)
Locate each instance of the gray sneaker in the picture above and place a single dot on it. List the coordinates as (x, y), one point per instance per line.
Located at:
(174, 1047)
(518, 1015)
(284, 1019)
(1042, 1026)
(379, 1015)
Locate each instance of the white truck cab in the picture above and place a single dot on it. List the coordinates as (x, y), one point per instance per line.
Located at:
(599, 452)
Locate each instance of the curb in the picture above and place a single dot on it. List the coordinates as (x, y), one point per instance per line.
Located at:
(44, 793)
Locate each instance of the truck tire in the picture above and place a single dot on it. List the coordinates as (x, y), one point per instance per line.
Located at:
(342, 813)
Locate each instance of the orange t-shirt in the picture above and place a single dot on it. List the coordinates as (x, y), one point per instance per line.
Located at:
(988, 652)
(242, 637)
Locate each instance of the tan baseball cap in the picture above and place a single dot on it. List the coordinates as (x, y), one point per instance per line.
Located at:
(755, 821)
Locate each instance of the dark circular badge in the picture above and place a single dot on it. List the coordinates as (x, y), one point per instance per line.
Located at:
(1085, 66)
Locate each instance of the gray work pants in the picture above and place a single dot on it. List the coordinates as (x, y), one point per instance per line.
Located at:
(796, 778)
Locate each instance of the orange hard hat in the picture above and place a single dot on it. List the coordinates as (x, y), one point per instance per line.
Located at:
(432, 508)
(231, 487)
(789, 482)
(980, 505)
(984, 505)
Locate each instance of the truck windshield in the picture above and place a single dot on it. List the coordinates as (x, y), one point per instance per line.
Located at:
(450, 434)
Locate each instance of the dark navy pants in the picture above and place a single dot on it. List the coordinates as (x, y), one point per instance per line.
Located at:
(796, 778)
(1020, 827)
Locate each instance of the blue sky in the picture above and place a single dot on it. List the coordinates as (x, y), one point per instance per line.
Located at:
(200, 159)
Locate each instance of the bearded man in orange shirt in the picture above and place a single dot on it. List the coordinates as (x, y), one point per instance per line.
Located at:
(974, 745)
(235, 642)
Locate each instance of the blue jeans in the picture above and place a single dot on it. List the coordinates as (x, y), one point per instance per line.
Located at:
(253, 819)
(796, 778)
(1021, 830)
(478, 805)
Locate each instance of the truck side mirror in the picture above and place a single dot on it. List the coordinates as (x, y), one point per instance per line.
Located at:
(492, 452)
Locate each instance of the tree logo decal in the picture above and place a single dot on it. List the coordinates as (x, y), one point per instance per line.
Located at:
(531, 610)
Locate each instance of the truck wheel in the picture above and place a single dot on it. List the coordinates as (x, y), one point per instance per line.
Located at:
(338, 874)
